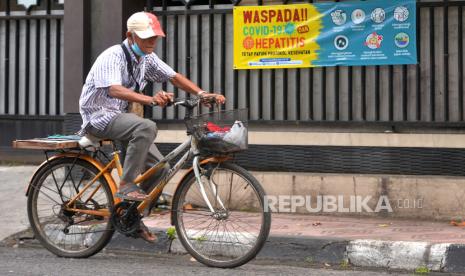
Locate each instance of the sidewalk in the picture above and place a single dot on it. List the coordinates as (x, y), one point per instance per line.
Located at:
(332, 240)
(336, 241)
(13, 203)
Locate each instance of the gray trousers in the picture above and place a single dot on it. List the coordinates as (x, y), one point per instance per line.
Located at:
(137, 136)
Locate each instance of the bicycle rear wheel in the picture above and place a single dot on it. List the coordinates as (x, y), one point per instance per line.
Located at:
(239, 227)
(63, 232)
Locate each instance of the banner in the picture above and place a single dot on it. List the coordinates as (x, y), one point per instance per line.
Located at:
(325, 34)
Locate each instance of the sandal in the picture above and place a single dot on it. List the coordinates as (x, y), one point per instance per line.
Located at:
(137, 193)
(146, 235)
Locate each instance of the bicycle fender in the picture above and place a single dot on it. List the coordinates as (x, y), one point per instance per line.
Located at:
(86, 158)
(191, 170)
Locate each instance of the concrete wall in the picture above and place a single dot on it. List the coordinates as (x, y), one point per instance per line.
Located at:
(90, 28)
(277, 136)
(410, 197)
(108, 19)
(75, 48)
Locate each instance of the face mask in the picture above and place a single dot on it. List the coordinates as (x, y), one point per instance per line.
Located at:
(137, 50)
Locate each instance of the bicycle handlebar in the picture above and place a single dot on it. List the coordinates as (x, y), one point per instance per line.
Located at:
(191, 102)
(187, 103)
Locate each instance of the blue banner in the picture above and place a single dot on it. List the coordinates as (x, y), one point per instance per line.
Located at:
(367, 33)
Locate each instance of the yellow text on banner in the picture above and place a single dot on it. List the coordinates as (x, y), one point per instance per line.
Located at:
(281, 36)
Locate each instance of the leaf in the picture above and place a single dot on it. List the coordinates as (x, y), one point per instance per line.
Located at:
(457, 223)
(188, 206)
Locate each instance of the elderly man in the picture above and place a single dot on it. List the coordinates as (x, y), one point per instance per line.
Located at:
(114, 81)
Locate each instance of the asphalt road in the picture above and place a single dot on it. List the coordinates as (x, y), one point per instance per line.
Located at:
(33, 261)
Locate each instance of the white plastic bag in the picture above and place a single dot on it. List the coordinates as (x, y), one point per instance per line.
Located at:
(237, 135)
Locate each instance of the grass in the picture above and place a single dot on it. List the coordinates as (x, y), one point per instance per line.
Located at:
(422, 270)
(201, 239)
(345, 264)
(171, 233)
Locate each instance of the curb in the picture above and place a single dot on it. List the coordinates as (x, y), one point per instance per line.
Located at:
(440, 257)
(399, 255)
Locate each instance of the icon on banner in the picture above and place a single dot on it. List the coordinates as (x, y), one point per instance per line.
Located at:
(373, 41)
(378, 15)
(248, 43)
(358, 16)
(289, 29)
(339, 17)
(303, 29)
(341, 42)
(402, 40)
(401, 14)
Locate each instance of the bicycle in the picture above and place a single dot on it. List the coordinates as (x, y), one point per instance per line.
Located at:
(217, 208)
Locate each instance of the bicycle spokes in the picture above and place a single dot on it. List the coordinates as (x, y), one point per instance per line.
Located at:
(234, 228)
(68, 224)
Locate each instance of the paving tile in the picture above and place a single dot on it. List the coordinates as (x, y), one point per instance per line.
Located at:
(350, 228)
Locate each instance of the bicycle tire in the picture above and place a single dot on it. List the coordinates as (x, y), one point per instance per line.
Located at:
(71, 168)
(188, 242)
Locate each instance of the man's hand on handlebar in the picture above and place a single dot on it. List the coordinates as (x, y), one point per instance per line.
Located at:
(211, 98)
(163, 98)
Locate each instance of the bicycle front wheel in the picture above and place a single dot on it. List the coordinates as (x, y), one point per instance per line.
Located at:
(64, 232)
(238, 228)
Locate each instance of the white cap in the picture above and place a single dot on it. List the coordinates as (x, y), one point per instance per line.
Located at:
(145, 25)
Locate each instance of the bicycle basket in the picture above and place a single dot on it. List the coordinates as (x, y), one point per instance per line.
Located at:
(220, 132)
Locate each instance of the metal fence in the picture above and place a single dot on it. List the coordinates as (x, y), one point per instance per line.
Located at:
(199, 45)
(31, 59)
